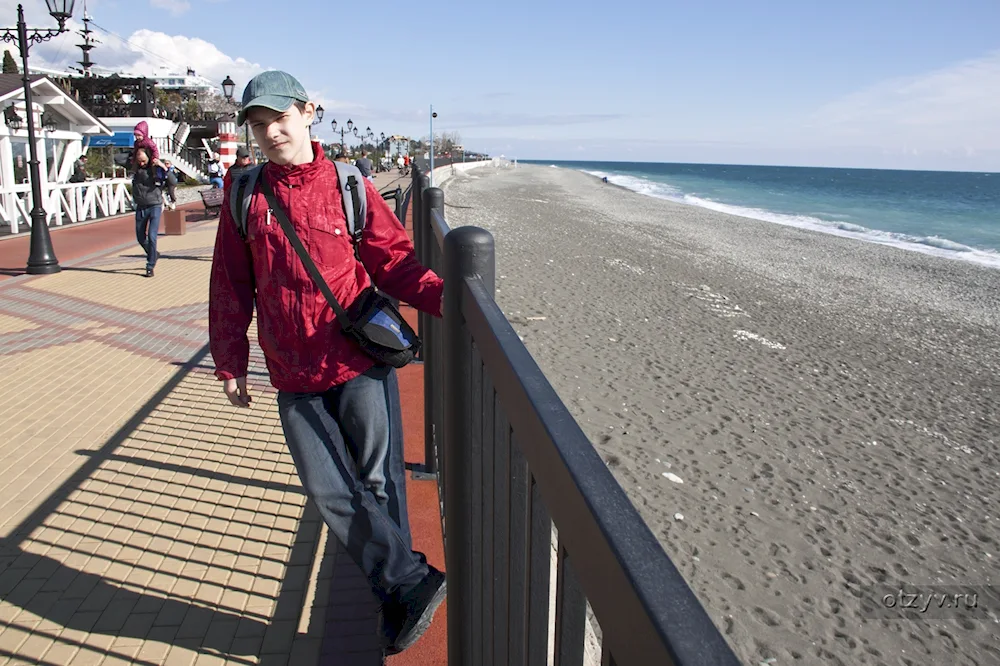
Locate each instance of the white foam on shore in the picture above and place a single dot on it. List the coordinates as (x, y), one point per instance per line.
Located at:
(740, 334)
(932, 245)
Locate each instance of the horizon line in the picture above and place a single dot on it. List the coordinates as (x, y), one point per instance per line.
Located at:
(781, 166)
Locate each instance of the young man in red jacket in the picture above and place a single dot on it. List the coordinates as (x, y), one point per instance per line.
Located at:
(339, 409)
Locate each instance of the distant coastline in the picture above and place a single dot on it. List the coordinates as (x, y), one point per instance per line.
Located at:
(954, 215)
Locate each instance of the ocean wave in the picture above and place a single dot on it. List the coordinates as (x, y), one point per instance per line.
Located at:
(933, 245)
(643, 186)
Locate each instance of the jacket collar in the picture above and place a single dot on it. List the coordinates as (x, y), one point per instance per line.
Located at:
(295, 175)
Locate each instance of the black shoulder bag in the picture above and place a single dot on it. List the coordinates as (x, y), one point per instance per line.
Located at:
(373, 322)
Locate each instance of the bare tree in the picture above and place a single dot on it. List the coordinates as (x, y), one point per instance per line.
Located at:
(213, 104)
(444, 142)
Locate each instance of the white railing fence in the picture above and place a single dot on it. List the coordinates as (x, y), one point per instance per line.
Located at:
(65, 203)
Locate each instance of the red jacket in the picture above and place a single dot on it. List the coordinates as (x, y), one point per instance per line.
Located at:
(297, 329)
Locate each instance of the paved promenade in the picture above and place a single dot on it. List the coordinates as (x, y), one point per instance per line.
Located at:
(142, 519)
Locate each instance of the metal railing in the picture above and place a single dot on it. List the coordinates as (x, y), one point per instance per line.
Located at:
(397, 196)
(511, 463)
(196, 157)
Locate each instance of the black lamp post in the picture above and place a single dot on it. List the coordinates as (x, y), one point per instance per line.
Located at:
(228, 87)
(41, 257)
(351, 129)
(319, 115)
(368, 136)
(228, 90)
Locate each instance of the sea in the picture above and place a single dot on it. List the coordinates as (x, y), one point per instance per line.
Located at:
(945, 213)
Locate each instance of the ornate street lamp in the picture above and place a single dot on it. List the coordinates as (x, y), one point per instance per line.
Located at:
(319, 116)
(368, 136)
(351, 129)
(228, 90)
(41, 257)
(14, 121)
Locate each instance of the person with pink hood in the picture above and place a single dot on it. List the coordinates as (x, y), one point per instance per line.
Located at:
(142, 140)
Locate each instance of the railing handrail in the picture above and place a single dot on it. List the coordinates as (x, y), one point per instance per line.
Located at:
(644, 606)
(19, 188)
(440, 228)
(193, 156)
(647, 612)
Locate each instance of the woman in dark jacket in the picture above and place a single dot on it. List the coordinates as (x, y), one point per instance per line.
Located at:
(147, 193)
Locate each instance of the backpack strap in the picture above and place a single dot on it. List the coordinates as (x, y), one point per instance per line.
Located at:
(241, 196)
(349, 179)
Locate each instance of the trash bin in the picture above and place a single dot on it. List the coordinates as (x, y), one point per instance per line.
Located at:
(174, 222)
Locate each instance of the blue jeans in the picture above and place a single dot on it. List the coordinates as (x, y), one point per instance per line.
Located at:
(217, 182)
(147, 227)
(347, 446)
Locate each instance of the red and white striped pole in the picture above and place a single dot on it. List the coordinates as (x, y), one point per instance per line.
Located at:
(227, 144)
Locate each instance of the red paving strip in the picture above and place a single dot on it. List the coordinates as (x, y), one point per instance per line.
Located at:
(422, 500)
(75, 241)
(424, 510)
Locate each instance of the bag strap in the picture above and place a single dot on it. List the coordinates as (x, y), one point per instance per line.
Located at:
(317, 277)
(241, 196)
(357, 212)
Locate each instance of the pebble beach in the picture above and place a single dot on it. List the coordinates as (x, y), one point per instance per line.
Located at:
(803, 420)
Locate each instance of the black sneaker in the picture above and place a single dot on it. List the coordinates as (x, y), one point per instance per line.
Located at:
(406, 620)
(149, 272)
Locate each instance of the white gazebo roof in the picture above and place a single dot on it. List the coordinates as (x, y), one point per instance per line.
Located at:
(46, 93)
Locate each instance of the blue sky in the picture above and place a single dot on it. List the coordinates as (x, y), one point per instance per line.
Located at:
(890, 83)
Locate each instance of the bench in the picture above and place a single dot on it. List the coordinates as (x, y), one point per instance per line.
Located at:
(213, 199)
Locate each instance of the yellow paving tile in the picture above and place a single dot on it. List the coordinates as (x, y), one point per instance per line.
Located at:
(186, 275)
(29, 389)
(151, 555)
(9, 324)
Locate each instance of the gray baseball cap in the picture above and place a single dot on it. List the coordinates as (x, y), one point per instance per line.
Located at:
(275, 90)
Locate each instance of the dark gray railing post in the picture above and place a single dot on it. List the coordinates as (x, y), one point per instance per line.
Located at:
(399, 205)
(432, 199)
(468, 252)
(419, 233)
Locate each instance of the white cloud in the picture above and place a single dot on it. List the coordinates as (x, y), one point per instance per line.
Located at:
(175, 7)
(945, 109)
(146, 52)
(149, 53)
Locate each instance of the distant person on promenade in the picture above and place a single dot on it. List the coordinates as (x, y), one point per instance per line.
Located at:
(243, 162)
(215, 172)
(364, 165)
(342, 157)
(147, 193)
(339, 408)
(171, 184)
(79, 170)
